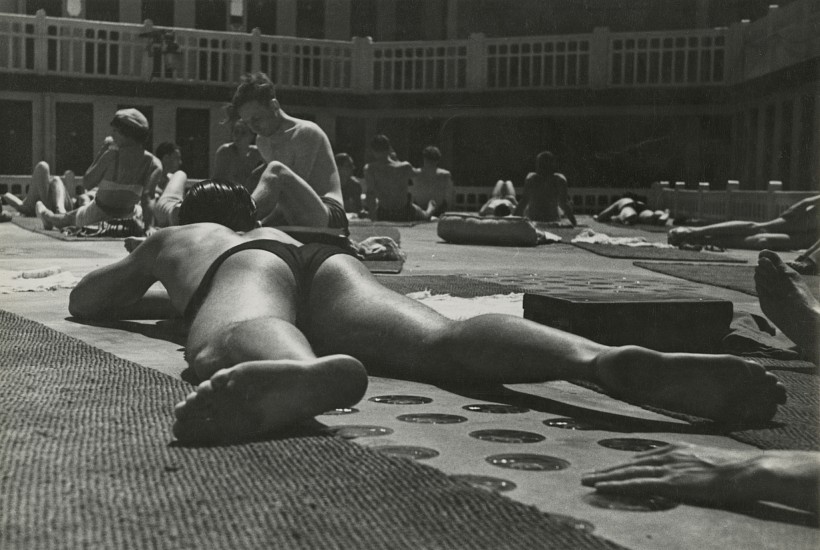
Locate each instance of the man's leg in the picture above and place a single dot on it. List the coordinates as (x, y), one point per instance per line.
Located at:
(37, 191)
(718, 233)
(59, 220)
(398, 337)
(281, 189)
(260, 371)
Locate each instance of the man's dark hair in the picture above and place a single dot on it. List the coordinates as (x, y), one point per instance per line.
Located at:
(431, 153)
(221, 202)
(545, 161)
(342, 159)
(166, 148)
(252, 87)
(381, 144)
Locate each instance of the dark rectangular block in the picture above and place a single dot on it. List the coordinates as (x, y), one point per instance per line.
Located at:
(677, 323)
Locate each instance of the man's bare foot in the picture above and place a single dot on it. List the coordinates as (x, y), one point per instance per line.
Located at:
(787, 301)
(44, 214)
(258, 397)
(132, 243)
(723, 388)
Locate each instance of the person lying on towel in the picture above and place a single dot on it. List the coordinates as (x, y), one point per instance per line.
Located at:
(265, 311)
(797, 227)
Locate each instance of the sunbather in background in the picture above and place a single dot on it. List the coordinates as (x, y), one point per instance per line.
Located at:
(502, 201)
(795, 228)
(124, 173)
(629, 211)
(265, 314)
(546, 196)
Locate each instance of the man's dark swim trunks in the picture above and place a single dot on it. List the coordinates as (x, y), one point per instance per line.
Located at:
(336, 216)
(304, 261)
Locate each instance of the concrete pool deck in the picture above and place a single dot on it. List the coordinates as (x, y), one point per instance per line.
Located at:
(454, 451)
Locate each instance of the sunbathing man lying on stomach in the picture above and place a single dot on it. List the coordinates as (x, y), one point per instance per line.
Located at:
(265, 314)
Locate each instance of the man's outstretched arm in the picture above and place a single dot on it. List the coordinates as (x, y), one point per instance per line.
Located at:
(111, 291)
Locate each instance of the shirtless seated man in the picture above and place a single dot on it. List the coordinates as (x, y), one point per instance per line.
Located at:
(265, 314)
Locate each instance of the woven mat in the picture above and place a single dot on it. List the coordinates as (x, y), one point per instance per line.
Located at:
(733, 277)
(35, 225)
(454, 285)
(652, 253)
(796, 424)
(87, 462)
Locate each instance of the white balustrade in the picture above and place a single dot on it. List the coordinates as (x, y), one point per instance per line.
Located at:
(91, 49)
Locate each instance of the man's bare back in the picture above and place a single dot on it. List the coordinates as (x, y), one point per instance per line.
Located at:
(178, 257)
(388, 179)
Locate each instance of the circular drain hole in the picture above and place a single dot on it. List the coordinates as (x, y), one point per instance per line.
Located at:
(570, 424)
(339, 412)
(575, 523)
(406, 451)
(495, 408)
(352, 432)
(507, 436)
(432, 418)
(629, 503)
(487, 483)
(632, 444)
(533, 463)
(401, 399)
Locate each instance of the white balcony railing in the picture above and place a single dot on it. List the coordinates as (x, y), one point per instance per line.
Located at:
(89, 49)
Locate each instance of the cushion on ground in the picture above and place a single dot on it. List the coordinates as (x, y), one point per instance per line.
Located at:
(487, 230)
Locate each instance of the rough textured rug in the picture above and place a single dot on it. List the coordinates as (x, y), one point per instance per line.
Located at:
(652, 253)
(733, 277)
(88, 462)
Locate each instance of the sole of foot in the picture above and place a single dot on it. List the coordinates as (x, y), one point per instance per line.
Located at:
(726, 389)
(256, 398)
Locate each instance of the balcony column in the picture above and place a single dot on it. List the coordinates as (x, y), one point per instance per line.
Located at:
(734, 60)
(362, 64)
(452, 19)
(476, 62)
(777, 139)
(41, 43)
(760, 150)
(794, 166)
(286, 17)
(256, 50)
(337, 20)
(771, 205)
(732, 186)
(166, 131)
(814, 161)
(49, 131)
(386, 19)
(599, 58)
